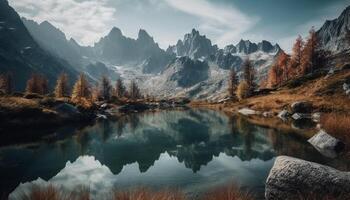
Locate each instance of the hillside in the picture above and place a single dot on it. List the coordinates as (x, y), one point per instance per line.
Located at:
(324, 91)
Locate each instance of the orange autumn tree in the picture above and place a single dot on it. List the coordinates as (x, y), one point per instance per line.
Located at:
(37, 84)
(6, 83)
(297, 53)
(279, 71)
(283, 61)
(310, 53)
(274, 76)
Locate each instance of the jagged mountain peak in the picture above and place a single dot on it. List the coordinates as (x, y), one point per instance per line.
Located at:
(115, 32)
(193, 45)
(195, 32)
(248, 47)
(144, 38)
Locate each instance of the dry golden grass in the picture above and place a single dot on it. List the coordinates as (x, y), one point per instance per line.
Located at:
(52, 193)
(230, 192)
(227, 192)
(337, 125)
(83, 102)
(17, 102)
(146, 194)
(326, 95)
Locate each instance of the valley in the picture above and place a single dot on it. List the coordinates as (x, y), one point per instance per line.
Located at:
(124, 118)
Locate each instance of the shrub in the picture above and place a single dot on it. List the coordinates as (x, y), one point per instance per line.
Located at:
(243, 90)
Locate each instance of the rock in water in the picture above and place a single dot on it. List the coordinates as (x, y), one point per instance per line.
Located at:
(292, 178)
(301, 107)
(326, 144)
(316, 117)
(247, 111)
(284, 114)
(67, 110)
(300, 116)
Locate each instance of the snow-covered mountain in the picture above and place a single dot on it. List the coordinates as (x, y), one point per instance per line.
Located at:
(193, 68)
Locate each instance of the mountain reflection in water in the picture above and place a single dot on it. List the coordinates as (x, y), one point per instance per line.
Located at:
(191, 149)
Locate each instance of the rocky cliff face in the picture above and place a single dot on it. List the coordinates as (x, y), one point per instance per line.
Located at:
(186, 72)
(21, 55)
(334, 35)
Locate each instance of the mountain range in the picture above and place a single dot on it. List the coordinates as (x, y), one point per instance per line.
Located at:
(193, 67)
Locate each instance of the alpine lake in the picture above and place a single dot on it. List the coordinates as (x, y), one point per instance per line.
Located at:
(192, 150)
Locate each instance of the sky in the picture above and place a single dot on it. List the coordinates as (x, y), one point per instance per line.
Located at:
(223, 21)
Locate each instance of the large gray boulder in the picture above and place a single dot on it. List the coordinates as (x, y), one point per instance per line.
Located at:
(301, 107)
(326, 144)
(67, 110)
(292, 178)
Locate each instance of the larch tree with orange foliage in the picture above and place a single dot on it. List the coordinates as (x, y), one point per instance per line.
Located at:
(61, 89)
(37, 84)
(282, 62)
(310, 53)
(274, 76)
(297, 53)
(6, 83)
(81, 89)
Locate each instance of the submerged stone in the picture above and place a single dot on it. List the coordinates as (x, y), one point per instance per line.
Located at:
(326, 144)
(284, 114)
(247, 111)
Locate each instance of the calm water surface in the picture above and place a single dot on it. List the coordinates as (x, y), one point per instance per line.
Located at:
(192, 150)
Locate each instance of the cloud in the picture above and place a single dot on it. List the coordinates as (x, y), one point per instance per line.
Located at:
(85, 21)
(226, 22)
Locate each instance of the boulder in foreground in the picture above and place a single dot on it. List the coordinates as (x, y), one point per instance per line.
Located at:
(292, 178)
